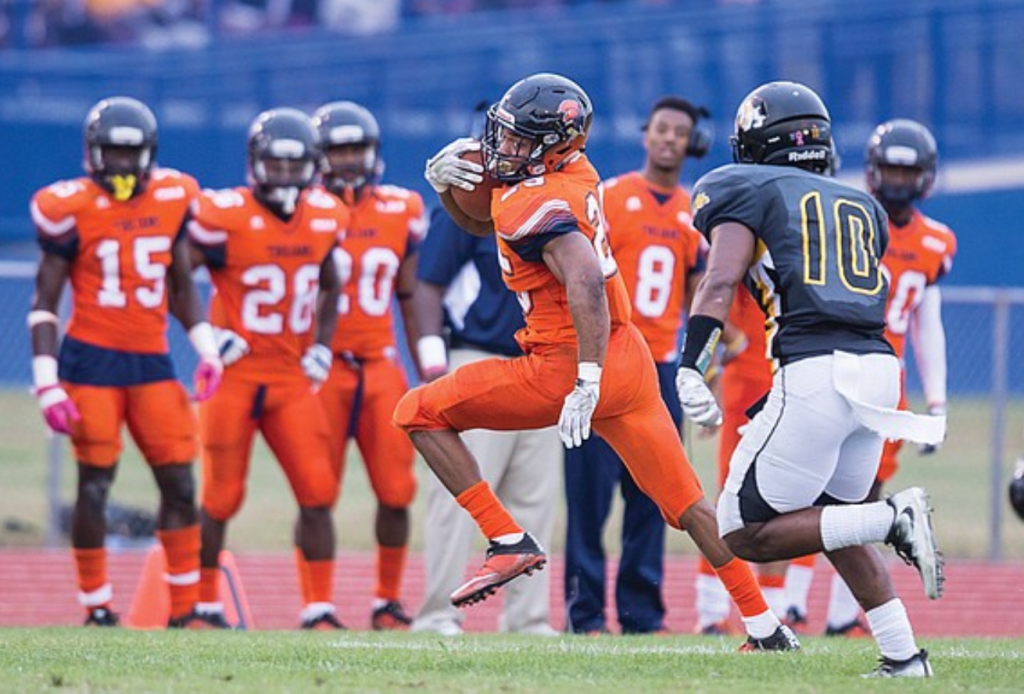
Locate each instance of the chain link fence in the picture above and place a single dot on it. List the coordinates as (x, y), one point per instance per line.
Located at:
(985, 347)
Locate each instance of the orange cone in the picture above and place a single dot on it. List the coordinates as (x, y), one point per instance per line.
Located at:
(151, 604)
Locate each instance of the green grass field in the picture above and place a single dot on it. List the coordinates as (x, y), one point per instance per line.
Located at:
(117, 660)
(957, 477)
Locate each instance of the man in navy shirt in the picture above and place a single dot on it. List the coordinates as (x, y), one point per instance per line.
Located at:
(460, 292)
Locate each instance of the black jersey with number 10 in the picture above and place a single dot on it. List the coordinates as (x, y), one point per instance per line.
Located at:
(816, 272)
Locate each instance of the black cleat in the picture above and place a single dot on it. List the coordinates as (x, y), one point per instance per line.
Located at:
(914, 666)
(390, 617)
(324, 622)
(200, 621)
(102, 617)
(782, 639)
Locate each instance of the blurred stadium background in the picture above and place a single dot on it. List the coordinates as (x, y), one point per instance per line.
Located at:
(207, 67)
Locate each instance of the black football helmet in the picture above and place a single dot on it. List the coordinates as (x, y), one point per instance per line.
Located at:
(120, 137)
(347, 124)
(905, 143)
(550, 115)
(284, 151)
(1017, 489)
(783, 123)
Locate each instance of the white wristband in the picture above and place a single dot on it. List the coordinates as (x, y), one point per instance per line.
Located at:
(202, 339)
(39, 317)
(432, 353)
(589, 372)
(44, 371)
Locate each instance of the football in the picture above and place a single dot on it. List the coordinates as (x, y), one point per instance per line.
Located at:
(477, 202)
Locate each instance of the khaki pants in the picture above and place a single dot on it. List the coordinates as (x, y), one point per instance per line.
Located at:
(525, 471)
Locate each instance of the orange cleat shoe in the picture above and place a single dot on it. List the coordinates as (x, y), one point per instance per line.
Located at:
(504, 563)
(390, 617)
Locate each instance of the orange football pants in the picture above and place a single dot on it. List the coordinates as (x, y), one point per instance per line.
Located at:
(741, 388)
(159, 418)
(528, 392)
(359, 400)
(294, 426)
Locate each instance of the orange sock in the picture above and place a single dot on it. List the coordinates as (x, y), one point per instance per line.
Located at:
(739, 580)
(93, 589)
(182, 549)
(490, 515)
(321, 580)
(209, 584)
(704, 566)
(303, 567)
(390, 567)
(771, 581)
(806, 560)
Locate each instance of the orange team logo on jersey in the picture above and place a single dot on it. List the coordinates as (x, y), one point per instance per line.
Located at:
(566, 199)
(386, 226)
(118, 272)
(655, 247)
(266, 290)
(919, 255)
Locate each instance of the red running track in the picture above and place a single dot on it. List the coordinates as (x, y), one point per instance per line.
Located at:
(981, 599)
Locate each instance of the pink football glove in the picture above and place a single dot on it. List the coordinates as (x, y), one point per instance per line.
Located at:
(58, 409)
(207, 377)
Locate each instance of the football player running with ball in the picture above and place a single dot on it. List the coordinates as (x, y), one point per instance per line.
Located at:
(585, 365)
(810, 249)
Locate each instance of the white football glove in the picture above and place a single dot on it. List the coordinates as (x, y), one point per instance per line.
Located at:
(446, 169)
(579, 406)
(230, 345)
(316, 363)
(931, 448)
(696, 398)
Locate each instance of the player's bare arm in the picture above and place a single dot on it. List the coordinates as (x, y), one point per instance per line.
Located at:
(327, 301)
(732, 250)
(572, 260)
(51, 277)
(182, 297)
(405, 290)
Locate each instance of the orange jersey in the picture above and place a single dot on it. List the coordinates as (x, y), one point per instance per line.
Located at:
(919, 255)
(387, 226)
(656, 249)
(119, 253)
(529, 214)
(266, 273)
(753, 363)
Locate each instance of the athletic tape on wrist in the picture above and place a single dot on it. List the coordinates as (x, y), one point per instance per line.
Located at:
(203, 340)
(431, 351)
(44, 371)
(588, 372)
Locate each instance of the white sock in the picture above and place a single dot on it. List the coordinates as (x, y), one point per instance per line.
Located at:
(713, 602)
(798, 586)
(858, 524)
(843, 608)
(776, 599)
(892, 631)
(761, 626)
(510, 539)
(209, 608)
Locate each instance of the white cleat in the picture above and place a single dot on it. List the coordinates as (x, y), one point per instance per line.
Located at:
(914, 540)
